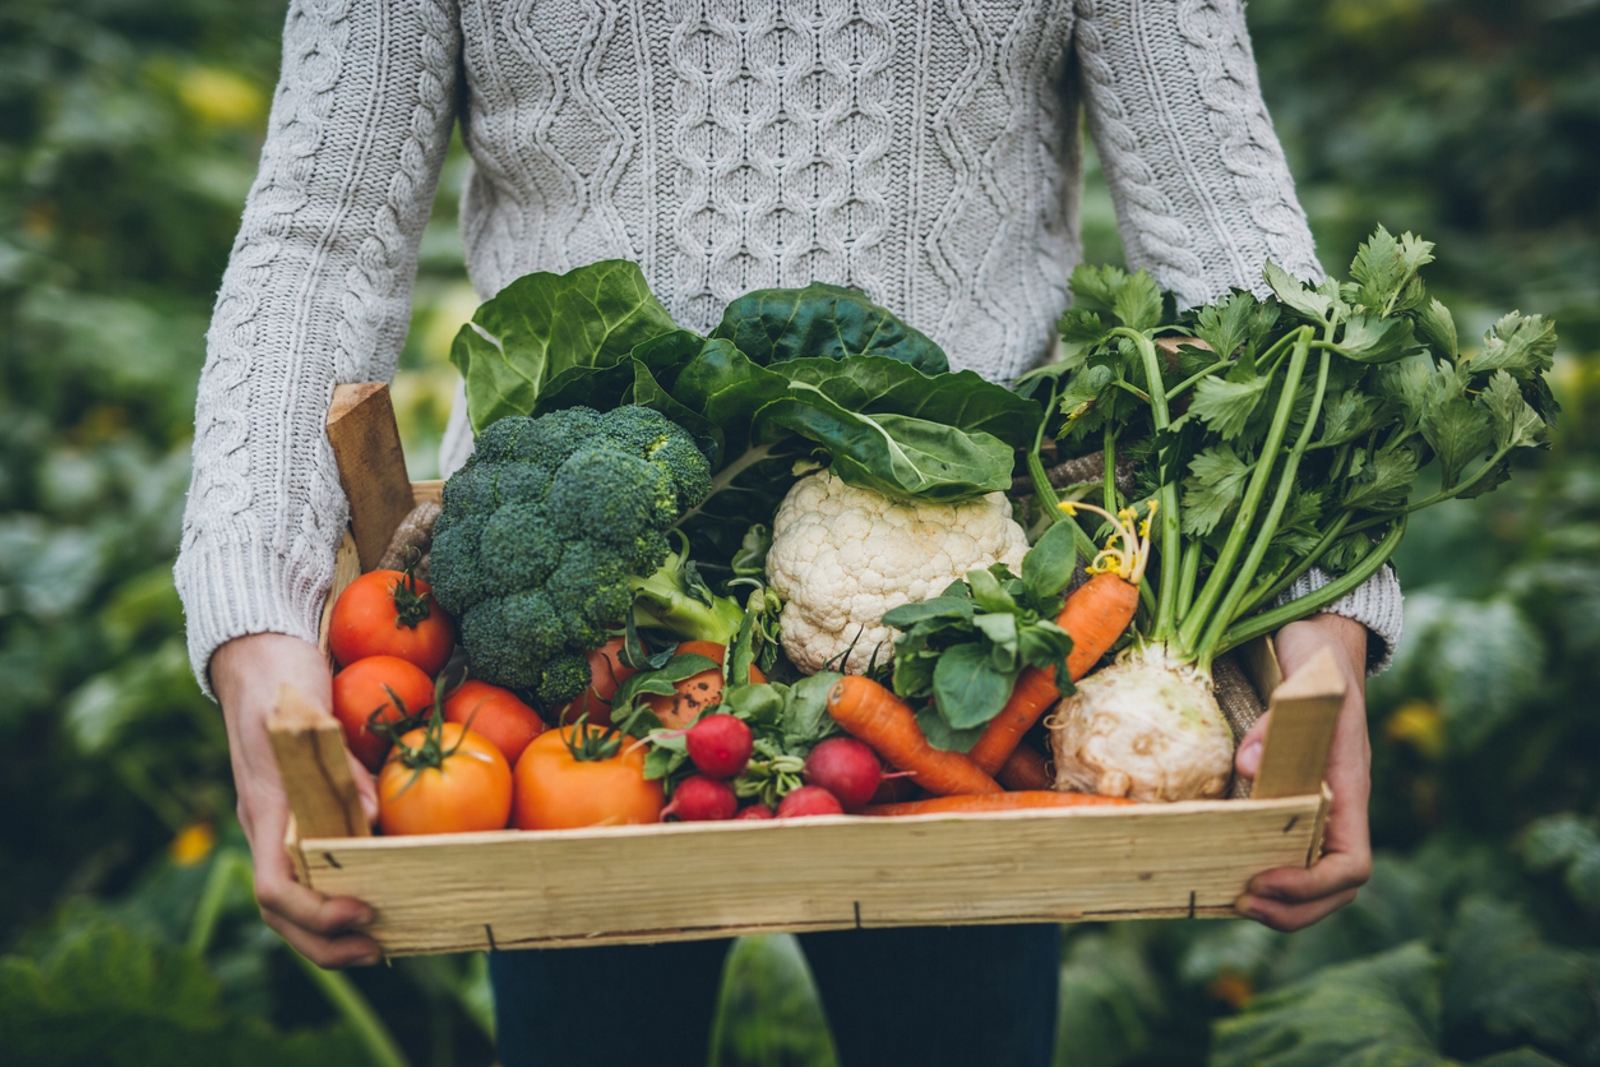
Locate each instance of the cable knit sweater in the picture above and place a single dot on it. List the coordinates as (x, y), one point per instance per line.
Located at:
(925, 151)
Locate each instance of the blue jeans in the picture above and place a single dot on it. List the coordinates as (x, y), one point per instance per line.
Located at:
(968, 996)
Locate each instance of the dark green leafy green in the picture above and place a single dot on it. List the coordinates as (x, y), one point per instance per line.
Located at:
(823, 322)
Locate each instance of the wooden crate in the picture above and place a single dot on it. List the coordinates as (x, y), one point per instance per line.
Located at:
(516, 889)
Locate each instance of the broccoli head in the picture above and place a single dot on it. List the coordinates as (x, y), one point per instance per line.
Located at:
(550, 528)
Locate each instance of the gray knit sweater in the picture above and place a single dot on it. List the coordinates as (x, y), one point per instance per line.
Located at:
(925, 151)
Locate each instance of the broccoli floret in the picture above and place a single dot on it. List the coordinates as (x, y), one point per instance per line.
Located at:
(551, 530)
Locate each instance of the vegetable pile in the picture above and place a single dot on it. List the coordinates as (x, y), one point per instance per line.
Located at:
(799, 567)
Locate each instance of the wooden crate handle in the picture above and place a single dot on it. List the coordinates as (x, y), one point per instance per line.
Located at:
(1305, 709)
(372, 465)
(311, 757)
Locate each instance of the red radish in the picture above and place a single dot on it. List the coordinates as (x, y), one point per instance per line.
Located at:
(719, 745)
(755, 811)
(701, 799)
(809, 800)
(847, 768)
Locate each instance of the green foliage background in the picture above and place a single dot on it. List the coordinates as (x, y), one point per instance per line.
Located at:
(128, 136)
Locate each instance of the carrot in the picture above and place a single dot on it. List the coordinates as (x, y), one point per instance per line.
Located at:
(1095, 615)
(1026, 769)
(1023, 801)
(870, 712)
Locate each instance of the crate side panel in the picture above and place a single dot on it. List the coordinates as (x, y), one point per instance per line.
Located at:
(640, 884)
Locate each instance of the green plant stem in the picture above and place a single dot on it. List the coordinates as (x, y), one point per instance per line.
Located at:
(725, 477)
(1109, 448)
(1269, 621)
(1171, 532)
(229, 869)
(1193, 380)
(1295, 573)
(1269, 524)
(1188, 573)
(1195, 620)
(356, 1012)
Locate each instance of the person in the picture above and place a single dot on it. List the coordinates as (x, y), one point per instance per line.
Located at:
(928, 154)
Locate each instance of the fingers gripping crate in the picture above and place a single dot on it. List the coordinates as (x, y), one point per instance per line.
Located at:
(517, 889)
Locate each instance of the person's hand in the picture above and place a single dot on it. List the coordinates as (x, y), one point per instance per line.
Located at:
(1290, 898)
(246, 673)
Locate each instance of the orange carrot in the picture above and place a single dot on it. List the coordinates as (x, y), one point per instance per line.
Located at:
(1023, 801)
(1095, 615)
(1026, 769)
(870, 712)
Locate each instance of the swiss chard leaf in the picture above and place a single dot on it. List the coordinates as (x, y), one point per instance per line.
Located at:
(823, 321)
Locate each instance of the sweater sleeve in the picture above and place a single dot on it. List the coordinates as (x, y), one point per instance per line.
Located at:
(317, 292)
(1203, 193)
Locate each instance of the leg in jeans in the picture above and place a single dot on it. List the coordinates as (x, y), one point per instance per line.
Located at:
(971, 996)
(607, 1006)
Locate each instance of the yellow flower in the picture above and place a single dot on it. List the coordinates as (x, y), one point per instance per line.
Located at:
(1420, 725)
(220, 97)
(193, 844)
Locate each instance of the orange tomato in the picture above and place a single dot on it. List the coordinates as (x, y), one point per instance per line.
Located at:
(606, 673)
(495, 713)
(359, 693)
(470, 789)
(555, 791)
(383, 613)
(696, 692)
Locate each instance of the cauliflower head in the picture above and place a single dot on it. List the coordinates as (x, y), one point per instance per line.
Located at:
(842, 556)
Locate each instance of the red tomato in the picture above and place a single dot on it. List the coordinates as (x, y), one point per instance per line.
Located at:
(606, 673)
(495, 713)
(385, 613)
(469, 788)
(359, 693)
(696, 692)
(557, 791)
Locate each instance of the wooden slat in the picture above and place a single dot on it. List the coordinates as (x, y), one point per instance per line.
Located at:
(428, 492)
(309, 747)
(372, 465)
(1304, 710)
(511, 889)
(1259, 661)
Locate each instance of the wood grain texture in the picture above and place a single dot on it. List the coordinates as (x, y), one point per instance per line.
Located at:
(1259, 661)
(372, 465)
(427, 492)
(346, 569)
(512, 889)
(1304, 710)
(309, 747)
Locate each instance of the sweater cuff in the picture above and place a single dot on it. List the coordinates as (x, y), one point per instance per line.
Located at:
(231, 589)
(1377, 604)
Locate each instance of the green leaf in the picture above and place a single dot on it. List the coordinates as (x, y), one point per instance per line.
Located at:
(1002, 633)
(1457, 428)
(1570, 843)
(988, 594)
(1225, 325)
(1369, 339)
(1081, 327)
(1300, 298)
(1524, 345)
(1385, 482)
(1347, 416)
(1386, 270)
(1516, 424)
(942, 736)
(1483, 659)
(1438, 327)
(1405, 383)
(1503, 978)
(1138, 302)
(1382, 1011)
(1084, 389)
(1213, 489)
(967, 689)
(823, 321)
(543, 324)
(806, 721)
(1048, 566)
(1095, 288)
(1226, 406)
(1113, 1001)
(751, 559)
(906, 616)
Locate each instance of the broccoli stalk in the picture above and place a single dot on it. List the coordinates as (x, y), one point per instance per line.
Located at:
(676, 599)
